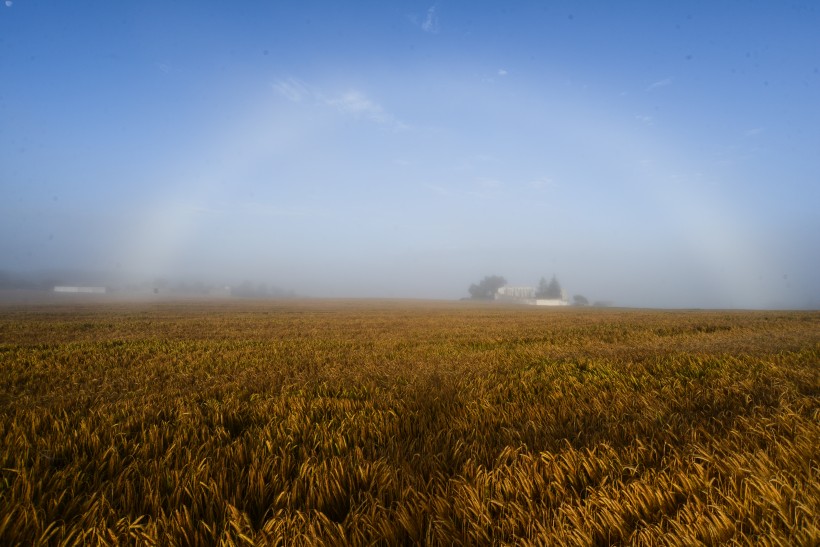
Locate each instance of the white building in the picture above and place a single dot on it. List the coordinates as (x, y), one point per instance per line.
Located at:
(552, 301)
(515, 293)
(83, 290)
(526, 295)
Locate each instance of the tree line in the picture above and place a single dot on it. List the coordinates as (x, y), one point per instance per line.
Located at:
(487, 288)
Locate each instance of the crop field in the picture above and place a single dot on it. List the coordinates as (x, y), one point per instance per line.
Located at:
(389, 422)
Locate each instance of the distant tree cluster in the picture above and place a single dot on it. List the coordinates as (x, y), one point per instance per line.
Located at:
(551, 290)
(11, 281)
(487, 287)
(548, 290)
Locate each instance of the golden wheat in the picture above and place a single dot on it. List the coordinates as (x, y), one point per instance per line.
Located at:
(353, 423)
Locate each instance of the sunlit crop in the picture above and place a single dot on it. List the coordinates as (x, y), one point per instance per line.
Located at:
(349, 423)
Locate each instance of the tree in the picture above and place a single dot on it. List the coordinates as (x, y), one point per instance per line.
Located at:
(541, 291)
(487, 287)
(551, 290)
(580, 300)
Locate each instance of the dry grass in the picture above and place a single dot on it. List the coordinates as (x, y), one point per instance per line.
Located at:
(347, 423)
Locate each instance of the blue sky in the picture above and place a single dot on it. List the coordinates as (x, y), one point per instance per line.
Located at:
(645, 153)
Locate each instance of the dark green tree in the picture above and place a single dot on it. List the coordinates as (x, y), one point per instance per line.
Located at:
(487, 287)
(580, 300)
(551, 290)
(541, 291)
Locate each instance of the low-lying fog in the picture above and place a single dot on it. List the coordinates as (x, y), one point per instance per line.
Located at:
(664, 156)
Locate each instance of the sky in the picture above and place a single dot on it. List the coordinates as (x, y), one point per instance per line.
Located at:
(646, 153)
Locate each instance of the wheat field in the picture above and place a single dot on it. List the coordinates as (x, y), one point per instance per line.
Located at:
(390, 422)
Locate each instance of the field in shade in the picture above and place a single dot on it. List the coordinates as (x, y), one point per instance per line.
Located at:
(390, 422)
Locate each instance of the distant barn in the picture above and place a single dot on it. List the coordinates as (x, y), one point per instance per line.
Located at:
(526, 295)
(83, 290)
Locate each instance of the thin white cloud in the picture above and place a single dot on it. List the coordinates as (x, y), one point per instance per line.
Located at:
(754, 132)
(644, 119)
(293, 89)
(542, 184)
(480, 187)
(475, 161)
(488, 183)
(485, 188)
(659, 84)
(358, 104)
(352, 102)
(484, 158)
(430, 23)
(440, 190)
(9, 3)
(502, 72)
